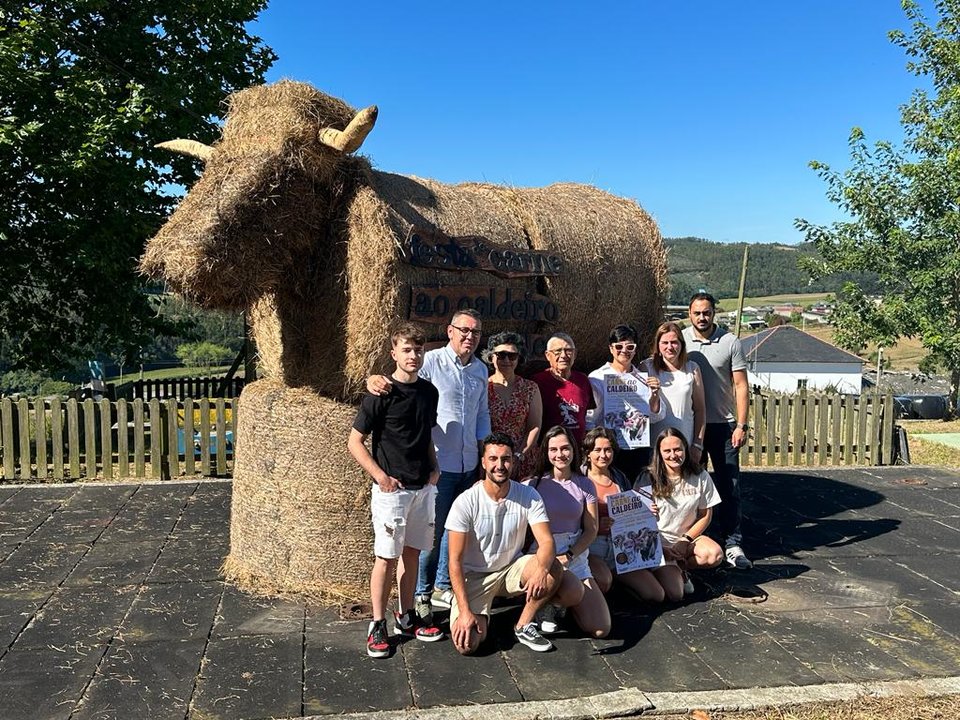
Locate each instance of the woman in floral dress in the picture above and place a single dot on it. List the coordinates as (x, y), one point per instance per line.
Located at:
(515, 405)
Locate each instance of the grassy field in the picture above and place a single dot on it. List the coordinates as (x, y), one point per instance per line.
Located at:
(867, 708)
(728, 304)
(173, 372)
(927, 452)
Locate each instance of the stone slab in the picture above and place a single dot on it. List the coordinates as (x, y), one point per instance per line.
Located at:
(645, 653)
(45, 683)
(206, 512)
(829, 649)
(16, 611)
(244, 614)
(739, 654)
(173, 611)
(250, 677)
(116, 563)
(191, 559)
(83, 617)
(339, 677)
(152, 680)
(35, 565)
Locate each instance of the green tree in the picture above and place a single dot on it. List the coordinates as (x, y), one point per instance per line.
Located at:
(87, 87)
(203, 354)
(903, 205)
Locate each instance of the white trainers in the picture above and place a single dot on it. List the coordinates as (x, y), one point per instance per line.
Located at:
(736, 558)
(688, 588)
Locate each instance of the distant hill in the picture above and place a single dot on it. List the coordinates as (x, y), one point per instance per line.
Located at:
(694, 263)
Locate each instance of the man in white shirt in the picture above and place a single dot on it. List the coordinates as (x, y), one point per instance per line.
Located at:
(487, 526)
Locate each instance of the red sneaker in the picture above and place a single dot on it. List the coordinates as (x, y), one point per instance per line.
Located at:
(409, 625)
(378, 644)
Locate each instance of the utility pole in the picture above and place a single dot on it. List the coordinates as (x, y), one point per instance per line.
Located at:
(743, 283)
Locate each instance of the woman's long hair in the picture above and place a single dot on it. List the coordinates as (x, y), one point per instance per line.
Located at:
(658, 362)
(544, 465)
(662, 487)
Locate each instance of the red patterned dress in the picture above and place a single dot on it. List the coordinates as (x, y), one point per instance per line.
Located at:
(511, 418)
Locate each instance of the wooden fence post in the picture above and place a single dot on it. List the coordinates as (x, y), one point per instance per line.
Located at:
(6, 437)
(23, 427)
(40, 437)
(56, 437)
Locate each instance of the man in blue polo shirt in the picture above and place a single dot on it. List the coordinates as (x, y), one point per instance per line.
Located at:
(463, 420)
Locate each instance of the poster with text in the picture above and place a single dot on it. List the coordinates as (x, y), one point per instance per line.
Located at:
(633, 534)
(625, 408)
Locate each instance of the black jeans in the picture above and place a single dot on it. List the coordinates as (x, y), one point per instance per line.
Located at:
(725, 461)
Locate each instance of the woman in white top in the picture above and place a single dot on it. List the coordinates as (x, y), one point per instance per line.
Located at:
(681, 388)
(683, 501)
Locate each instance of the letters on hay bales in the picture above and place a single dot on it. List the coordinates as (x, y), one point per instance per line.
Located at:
(326, 253)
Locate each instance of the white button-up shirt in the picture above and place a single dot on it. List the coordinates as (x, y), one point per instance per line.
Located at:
(463, 414)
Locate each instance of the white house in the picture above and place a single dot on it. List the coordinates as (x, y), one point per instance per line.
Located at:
(786, 359)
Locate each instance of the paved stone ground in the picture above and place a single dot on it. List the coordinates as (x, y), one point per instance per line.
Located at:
(112, 605)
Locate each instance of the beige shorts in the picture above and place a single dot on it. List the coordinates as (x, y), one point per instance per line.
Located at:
(482, 588)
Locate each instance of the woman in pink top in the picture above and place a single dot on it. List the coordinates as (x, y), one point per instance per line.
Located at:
(571, 505)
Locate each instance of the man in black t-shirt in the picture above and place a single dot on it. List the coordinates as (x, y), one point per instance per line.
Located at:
(403, 465)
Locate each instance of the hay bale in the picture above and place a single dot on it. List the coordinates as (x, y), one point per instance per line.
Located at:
(310, 240)
(300, 516)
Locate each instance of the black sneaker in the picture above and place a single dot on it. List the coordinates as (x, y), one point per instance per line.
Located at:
(409, 625)
(530, 636)
(378, 644)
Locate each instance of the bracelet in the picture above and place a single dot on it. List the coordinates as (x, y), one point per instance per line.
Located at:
(687, 537)
(698, 445)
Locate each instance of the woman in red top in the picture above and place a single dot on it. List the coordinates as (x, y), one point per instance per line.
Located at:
(515, 405)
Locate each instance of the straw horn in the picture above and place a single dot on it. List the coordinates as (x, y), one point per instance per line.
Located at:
(352, 136)
(188, 147)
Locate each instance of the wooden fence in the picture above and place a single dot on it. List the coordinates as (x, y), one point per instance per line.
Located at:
(182, 388)
(67, 440)
(819, 429)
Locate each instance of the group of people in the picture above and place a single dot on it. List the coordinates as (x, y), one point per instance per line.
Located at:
(532, 520)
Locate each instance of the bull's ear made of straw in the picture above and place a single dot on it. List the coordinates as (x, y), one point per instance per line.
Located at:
(191, 148)
(352, 136)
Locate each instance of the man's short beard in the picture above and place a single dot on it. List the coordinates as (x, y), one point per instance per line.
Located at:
(497, 482)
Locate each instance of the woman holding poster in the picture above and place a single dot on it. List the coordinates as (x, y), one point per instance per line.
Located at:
(627, 401)
(572, 507)
(608, 482)
(683, 501)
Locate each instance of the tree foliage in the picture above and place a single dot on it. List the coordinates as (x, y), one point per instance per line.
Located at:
(773, 269)
(904, 207)
(87, 87)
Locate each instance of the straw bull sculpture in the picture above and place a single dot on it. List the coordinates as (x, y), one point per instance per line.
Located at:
(325, 253)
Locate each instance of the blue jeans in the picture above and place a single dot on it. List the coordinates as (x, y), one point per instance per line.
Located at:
(725, 460)
(433, 565)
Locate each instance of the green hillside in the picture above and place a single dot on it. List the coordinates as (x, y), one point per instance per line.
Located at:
(694, 263)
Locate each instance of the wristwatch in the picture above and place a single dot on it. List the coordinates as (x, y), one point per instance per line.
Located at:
(743, 426)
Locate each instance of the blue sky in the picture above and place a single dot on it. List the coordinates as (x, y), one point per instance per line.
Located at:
(705, 112)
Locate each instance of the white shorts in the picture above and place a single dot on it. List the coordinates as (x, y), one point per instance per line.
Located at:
(404, 518)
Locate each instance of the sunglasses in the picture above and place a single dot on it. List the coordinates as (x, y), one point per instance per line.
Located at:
(467, 331)
(625, 347)
(506, 355)
(562, 351)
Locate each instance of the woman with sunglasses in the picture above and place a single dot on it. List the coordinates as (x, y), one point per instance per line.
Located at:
(623, 348)
(683, 500)
(681, 388)
(515, 405)
(569, 500)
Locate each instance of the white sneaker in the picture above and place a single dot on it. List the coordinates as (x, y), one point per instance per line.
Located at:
(688, 588)
(736, 558)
